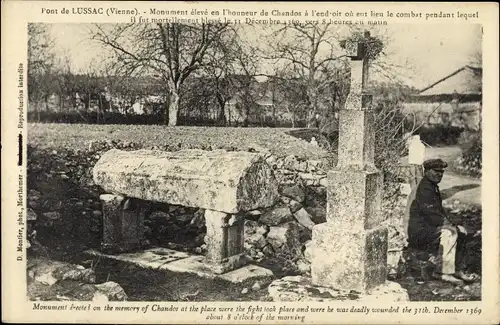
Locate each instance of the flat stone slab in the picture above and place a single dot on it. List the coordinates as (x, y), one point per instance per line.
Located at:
(248, 272)
(300, 288)
(153, 258)
(217, 180)
(164, 259)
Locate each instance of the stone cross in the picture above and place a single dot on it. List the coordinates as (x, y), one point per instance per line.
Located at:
(350, 248)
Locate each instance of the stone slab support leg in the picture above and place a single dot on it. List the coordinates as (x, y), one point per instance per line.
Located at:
(224, 240)
(123, 224)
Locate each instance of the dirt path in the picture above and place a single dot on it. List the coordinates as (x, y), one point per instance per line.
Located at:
(448, 154)
(464, 189)
(454, 186)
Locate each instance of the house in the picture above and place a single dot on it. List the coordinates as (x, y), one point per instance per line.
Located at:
(454, 100)
(258, 103)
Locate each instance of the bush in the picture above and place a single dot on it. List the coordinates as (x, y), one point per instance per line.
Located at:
(466, 138)
(435, 135)
(389, 146)
(93, 118)
(470, 162)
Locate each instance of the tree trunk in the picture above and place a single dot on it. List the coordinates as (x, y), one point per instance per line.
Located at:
(247, 102)
(222, 107)
(99, 110)
(247, 115)
(173, 108)
(37, 108)
(312, 105)
(273, 98)
(46, 100)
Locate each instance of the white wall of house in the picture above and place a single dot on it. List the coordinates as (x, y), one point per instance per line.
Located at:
(464, 115)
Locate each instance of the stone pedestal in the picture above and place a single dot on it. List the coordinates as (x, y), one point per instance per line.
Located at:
(347, 260)
(123, 224)
(354, 199)
(224, 240)
(350, 249)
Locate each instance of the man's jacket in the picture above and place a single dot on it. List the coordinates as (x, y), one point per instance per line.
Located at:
(427, 214)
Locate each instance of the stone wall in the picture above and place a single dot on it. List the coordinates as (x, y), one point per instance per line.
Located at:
(49, 280)
(462, 115)
(282, 232)
(397, 224)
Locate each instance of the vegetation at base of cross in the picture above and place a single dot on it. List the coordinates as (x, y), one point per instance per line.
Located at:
(390, 142)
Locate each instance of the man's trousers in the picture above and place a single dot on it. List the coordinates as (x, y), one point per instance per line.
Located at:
(450, 254)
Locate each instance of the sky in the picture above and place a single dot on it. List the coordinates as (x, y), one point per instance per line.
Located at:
(425, 52)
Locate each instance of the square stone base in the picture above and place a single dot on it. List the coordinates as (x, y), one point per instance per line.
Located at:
(347, 260)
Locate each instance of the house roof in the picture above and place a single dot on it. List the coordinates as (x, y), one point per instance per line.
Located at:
(464, 81)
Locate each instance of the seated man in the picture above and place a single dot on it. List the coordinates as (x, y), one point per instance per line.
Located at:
(430, 229)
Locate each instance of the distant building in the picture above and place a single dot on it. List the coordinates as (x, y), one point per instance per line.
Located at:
(454, 100)
(261, 106)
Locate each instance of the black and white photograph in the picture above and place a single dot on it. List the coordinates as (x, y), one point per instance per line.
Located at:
(176, 161)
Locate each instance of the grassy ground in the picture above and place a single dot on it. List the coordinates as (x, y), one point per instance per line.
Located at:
(80, 136)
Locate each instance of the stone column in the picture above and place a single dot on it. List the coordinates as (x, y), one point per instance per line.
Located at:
(350, 249)
(416, 157)
(224, 240)
(123, 224)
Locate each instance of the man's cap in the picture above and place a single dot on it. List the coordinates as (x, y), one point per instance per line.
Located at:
(438, 164)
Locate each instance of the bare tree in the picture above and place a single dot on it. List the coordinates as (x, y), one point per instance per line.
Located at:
(309, 51)
(246, 65)
(288, 94)
(219, 69)
(314, 54)
(170, 51)
(64, 82)
(41, 64)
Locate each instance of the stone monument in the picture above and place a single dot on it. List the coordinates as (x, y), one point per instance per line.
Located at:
(349, 252)
(350, 249)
